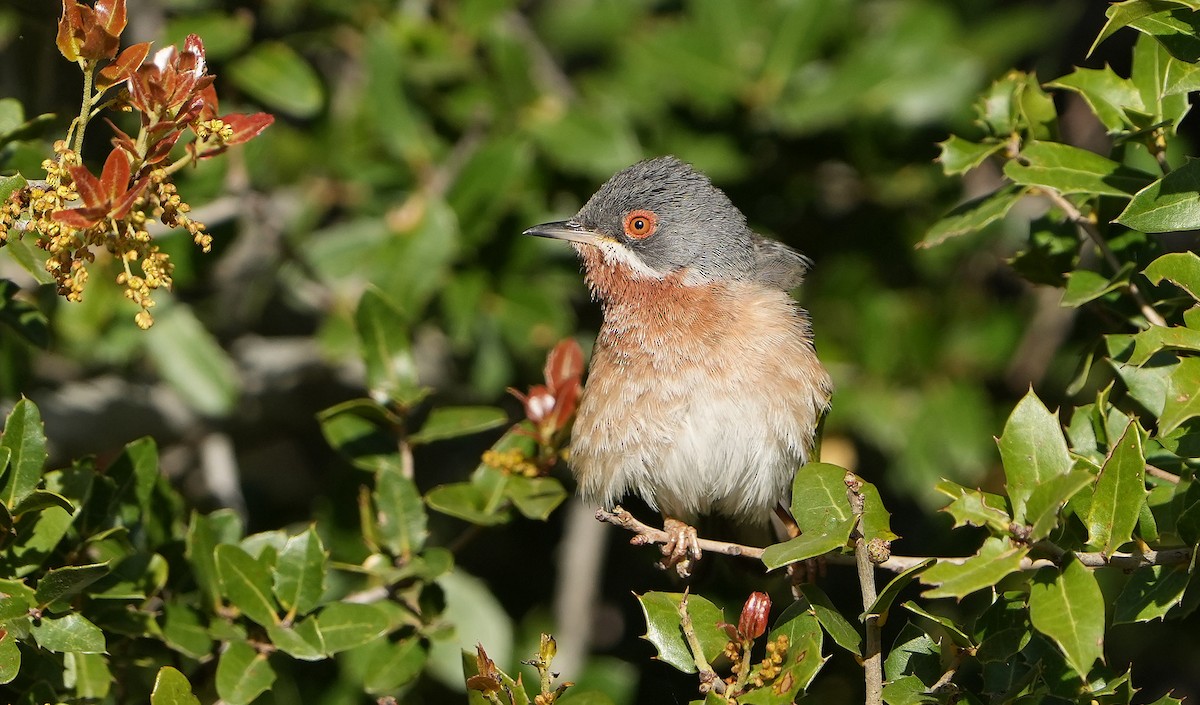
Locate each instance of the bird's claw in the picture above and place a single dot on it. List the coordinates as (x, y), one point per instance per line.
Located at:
(682, 548)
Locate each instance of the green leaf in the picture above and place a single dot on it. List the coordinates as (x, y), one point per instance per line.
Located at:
(975, 507)
(183, 632)
(1120, 493)
(10, 658)
(386, 349)
(276, 75)
(246, 584)
(536, 497)
(25, 439)
(1106, 93)
(974, 215)
(363, 431)
(906, 690)
(1048, 498)
(1150, 593)
(88, 674)
(1068, 169)
(876, 522)
(1122, 14)
(395, 665)
(661, 610)
(299, 578)
(819, 501)
(72, 633)
(1156, 338)
(801, 662)
(958, 156)
(302, 640)
(913, 653)
(960, 577)
(455, 421)
(172, 688)
(1180, 268)
(1169, 204)
(59, 583)
(203, 535)
(837, 626)
(345, 625)
(401, 520)
(883, 601)
(1033, 450)
(243, 674)
(1084, 285)
(1182, 399)
(1068, 607)
(945, 625)
(468, 502)
(807, 545)
(190, 360)
(1178, 31)
(21, 316)
(40, 500)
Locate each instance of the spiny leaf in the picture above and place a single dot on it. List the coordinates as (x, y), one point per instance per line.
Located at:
(958, 578)
(1033, 450)
(661, 610)
(1120, 493)
(1068, 607)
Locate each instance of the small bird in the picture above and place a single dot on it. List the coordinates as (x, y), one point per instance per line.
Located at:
(704, 390)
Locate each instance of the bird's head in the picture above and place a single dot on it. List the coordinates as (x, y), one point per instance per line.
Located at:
(658, 218)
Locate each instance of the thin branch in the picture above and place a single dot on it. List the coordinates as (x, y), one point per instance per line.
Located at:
(1161, 474)
(1089, 228)
(646, 534)
(872, 661)
(709, 680)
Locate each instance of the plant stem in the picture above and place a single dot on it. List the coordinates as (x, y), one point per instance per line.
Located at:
(85, 106)
(708, 677)
(873, 647)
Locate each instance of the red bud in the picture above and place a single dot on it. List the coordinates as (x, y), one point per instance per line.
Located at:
(753, 622)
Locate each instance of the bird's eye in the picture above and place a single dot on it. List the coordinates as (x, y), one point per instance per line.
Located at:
(640, 224)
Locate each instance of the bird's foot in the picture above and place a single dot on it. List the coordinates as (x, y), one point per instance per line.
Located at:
(682, 548)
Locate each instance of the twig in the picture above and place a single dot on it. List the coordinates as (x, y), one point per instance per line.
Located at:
(709, 680)
(577, 586)
(1161, 474)
(1089, 228)
(647, 534)
(873, 649)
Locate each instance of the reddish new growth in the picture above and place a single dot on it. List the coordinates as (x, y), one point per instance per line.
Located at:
(550, 408)
(74, 213)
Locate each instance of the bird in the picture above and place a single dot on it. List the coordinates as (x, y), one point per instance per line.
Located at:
(704, 391)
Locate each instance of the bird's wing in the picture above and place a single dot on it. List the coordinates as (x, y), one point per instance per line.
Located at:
(777, 264)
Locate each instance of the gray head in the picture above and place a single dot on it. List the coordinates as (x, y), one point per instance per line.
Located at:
(665, 215)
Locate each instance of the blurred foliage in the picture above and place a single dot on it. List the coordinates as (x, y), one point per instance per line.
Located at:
(367, 243)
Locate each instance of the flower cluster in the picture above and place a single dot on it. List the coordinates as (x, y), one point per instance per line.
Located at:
(73, 213)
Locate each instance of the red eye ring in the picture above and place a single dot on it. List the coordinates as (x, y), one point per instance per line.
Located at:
(640, 224)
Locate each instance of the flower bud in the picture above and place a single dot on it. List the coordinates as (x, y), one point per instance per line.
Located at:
(753, 622)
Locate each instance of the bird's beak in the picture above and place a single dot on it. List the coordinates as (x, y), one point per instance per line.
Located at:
(569, 230)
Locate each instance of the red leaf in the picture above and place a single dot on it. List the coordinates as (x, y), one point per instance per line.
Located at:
(97, 42)
(564, 363)
(122, 205)
(114, 180)
(121, 140)
(246, 127)
(162, 148)
(88, 187)
(81, 218)
(70, 31)
(123, 67)
(111, 16)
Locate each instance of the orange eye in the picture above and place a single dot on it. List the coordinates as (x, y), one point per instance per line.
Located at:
(640, 224)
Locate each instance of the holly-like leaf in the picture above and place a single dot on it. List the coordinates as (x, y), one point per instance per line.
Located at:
(1048, 498)
(1106, 93)
(974, 215)
(997, 558)
(302, 640)
(299, 578)
(801, 662)
(60, 583)
(469, 502)
(1177, 30)
(1120, 493)
(944, 626)
(246, 583)
(1169, 204)
(837, 626)
(1033, 450)
(361, 430)
(661, 610)
(975, 507)
(25, 439)
(1150, 593)
(1182, 396)
(1180, 268)
(1122, 14)
(958, 156)
(1068, 169)
(1156, 338)
(1068, 607)
(807, 545)
(395, 664)
(883, 601)
(243, 674)
(10, 657)
(172, 688)
(455, 421)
